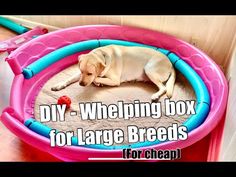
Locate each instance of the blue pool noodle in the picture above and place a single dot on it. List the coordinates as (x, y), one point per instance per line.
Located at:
(56, 55)
(12, 25)
(202, 95)
(38, 127)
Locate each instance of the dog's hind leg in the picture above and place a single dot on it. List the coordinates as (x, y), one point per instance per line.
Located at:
(154, 78)
(161, 91)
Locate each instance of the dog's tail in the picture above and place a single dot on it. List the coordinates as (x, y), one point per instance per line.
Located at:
(170, 83)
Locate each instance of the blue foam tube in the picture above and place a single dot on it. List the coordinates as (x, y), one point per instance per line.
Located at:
(44, 130)
(173, 58)
(56, 55)
(105, 42)
(38, 127)
(12, 25)
(195, 80)
(200, 89)
(202, 95)
(202, 110)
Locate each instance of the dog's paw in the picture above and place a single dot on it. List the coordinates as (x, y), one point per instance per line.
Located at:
(97, 84)
(58, 87)
(155, 97)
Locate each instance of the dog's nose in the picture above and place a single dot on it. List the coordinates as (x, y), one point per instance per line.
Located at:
(82, 83)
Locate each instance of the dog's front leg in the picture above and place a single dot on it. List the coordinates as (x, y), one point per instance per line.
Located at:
(96, 83)
(64, 84)
(107, 81)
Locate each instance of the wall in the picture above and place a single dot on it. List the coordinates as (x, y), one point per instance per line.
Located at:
(228, 152)
(212, 34)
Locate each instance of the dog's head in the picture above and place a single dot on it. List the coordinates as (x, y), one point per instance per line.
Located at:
(90, 65)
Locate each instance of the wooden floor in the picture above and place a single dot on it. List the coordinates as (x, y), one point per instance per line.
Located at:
(11, 147)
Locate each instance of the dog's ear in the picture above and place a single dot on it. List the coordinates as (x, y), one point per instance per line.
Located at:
(106, 55)
(102, 62)
(100, 56)
(103, 54)
(100, 66)
(105, 62)
(80, 58)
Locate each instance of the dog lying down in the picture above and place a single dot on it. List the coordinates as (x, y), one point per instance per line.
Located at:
(114, 64)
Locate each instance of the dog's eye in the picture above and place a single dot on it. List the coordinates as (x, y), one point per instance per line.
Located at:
(89, 74)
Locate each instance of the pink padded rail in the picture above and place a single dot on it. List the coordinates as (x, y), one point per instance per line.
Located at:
(15, 42)
(24, 91)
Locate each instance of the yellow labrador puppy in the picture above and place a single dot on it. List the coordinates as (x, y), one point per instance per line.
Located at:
(113, 64)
